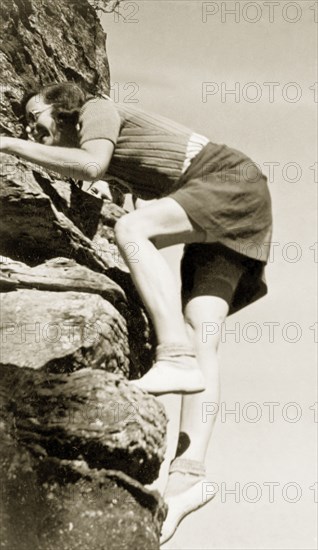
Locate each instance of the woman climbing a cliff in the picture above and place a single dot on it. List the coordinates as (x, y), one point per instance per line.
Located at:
(209, 197)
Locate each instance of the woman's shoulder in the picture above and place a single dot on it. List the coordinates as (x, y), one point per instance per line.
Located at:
(99, 109)
(98, 102)
(99, 119)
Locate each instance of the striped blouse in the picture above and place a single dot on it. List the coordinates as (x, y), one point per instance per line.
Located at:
(151, 152)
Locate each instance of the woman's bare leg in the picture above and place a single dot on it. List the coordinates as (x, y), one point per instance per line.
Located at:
(188, 487)
(204, 315)
(151, 275)
(158, 289)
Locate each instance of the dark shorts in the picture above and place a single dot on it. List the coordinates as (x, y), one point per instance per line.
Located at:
(211, 269)
(225, 194)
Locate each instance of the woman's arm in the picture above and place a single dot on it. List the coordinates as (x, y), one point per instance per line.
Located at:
(89, 162)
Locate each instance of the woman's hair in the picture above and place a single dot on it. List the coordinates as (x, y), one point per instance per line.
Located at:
(67, 99)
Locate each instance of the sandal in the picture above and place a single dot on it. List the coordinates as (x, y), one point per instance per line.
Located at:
(189, 500)
(175, 371)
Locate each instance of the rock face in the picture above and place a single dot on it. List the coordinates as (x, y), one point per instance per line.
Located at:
(45, 42)
(78, 440)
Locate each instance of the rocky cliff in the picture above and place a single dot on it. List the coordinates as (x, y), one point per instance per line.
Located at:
(79, 442)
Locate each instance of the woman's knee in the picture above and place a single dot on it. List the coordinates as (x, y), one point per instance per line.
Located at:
(127, 228)
(204, 316)
(136, 226)
(120, 231)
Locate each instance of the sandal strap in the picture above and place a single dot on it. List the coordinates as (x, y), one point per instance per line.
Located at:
(167, 351)
(187, 466)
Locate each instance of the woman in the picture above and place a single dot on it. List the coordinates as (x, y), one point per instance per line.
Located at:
(211, 198)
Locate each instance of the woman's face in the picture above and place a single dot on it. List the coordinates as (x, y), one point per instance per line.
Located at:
(41, 126)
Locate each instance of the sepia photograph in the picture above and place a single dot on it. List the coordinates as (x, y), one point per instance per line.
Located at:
(158, 283)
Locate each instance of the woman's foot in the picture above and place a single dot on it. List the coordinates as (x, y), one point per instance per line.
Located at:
(175, 371)
(187, 490)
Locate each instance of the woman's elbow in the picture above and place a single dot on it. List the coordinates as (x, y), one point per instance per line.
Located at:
(97, 155)
(92, 171)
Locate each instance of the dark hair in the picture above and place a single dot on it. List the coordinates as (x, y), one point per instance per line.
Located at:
(67, 99)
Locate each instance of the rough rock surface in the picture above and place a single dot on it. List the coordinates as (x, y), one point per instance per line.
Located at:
(45, 41)
(62, 332)
(77, 440)
(88, 414)
(60, 274)
(37, 220)
(49, 503)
